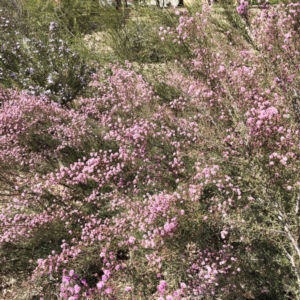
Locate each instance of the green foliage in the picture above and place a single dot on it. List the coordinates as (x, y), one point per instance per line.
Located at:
(40, 61)
(75, 17)
(21, 258)
(135, 38)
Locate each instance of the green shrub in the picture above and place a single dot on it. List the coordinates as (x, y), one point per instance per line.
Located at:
(40, 61)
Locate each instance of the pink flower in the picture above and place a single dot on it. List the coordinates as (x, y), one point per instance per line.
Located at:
(100, 285)
(104, 278)
(168, 227)
(66, 280)
(63, 295)
(182, 285)
(161, 286)
(77, 288)
(222, 68)
(131, 240)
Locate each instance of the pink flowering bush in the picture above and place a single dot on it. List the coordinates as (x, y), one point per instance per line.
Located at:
(137, 194)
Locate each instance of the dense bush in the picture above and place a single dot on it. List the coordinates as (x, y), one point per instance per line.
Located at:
(41, 63)
(181, 188)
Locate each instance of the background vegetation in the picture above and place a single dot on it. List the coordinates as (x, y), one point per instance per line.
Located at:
(149, 153)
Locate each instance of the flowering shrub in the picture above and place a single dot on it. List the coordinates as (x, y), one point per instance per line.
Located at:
(194, 195)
